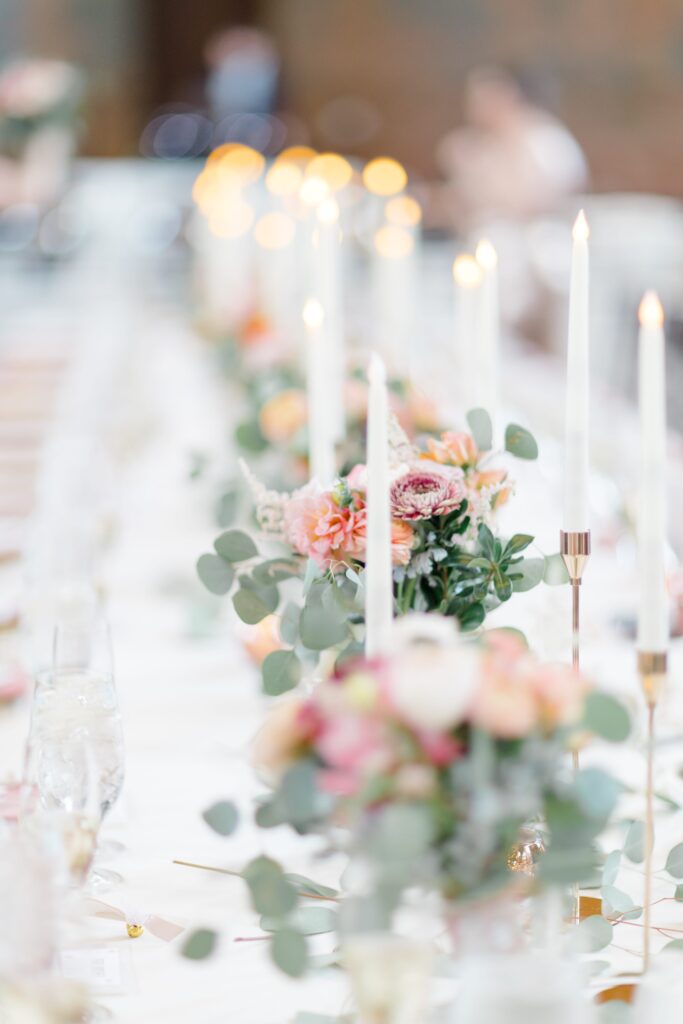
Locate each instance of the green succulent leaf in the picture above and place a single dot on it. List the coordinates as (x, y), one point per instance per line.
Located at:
(199, 944)
(235, 546)
(518, 543)
(606, 717)
(222, 817)
(481, 427)
(519, 442)
(216, 574)
(289, 952)
(281, 671)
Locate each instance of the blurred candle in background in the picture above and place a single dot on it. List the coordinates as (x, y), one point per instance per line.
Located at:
(577, 394)
(488, 369)
(467, 276)
(394, 295)
(275, 235)
(653, 617)
(379, 599)
(321, 452)
(329, 290)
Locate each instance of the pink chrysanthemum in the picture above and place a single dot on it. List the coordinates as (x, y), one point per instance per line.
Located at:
(421, 493)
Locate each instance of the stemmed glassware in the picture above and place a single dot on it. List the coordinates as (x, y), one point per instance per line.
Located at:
(75, 755)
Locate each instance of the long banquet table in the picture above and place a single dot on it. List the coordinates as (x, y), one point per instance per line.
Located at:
(190, 696)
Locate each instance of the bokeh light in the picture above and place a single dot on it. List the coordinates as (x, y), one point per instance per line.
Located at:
(384, 176)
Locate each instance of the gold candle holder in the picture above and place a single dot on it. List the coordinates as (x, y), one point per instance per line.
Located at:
(575, 548)
(652, 669)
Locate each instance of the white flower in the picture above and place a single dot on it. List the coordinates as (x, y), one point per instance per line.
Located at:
(433, 676)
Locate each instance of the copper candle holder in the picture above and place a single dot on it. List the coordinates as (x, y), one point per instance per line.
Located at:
(652, 669)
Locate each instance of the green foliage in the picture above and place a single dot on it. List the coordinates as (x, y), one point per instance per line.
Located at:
(249, 437)
(520, 442)
(606, 717)
(250, 606)
(281, 671)
(216, 574)
(591, 935)
(222, 817)
(674, 862)
(199, 944)
(289, 952)
(481, 428)
(235, 546)
(634, 844)
(271, 893)
(321, 628)
(555, 574)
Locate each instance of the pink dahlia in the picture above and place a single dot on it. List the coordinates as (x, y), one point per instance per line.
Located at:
(421, 493)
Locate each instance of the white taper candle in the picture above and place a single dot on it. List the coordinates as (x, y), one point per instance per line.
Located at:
(320, 435)
(577, 395)
(378, 568)
(653, 615)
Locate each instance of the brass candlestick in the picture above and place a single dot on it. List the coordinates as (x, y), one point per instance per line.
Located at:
(575, 547)
(652, 668)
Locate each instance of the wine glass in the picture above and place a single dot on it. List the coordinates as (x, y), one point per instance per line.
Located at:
(77, 701)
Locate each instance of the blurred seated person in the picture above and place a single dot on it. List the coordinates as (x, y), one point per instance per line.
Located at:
(243, 73)
(511, 160)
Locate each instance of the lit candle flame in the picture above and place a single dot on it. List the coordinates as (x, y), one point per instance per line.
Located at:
(313, 314)
(650, 312)
(467, 272)
(580, 231)
(487, 257)
(377, 373)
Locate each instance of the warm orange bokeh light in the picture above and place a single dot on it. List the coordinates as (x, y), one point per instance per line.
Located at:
(274, 231)
(334, 170)
(284, 178)
(403, 211)
(393, 242)
(384, 176)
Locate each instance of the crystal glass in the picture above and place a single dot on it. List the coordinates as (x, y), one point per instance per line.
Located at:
(76, 739)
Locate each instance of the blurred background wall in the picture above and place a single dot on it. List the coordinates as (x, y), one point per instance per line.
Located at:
(387, 74)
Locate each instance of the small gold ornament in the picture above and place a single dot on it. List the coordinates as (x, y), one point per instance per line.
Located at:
(524, 854)
(134, 930)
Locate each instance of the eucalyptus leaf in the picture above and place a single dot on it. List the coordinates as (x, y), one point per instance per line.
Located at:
(271, 893)
(619, 901)
(674, 862)
(527, 574)
(519, 442)
(597, 792)
(289, 623)
(321, 628)
(199, 944)
(610, 868)
(313, 573)
(235, 546)
(678, 894)
(634, 844)
(281, 671)
(222, 817)
(306, 920)
(555, 574)
(675, 945)
(606, 717)
(308, 887)
(591, 935)
(216, 574)
(288, 950)
(275, 570)
(250, 607)
(481, 427)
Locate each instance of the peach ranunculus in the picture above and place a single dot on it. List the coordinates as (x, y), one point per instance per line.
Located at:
(453, 449)
(560, 695)
(493, 481)
(316, 526)
(402, 538)
(283, 415)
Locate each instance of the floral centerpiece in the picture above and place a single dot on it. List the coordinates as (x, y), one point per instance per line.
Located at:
(448, 554)
(426, 764)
